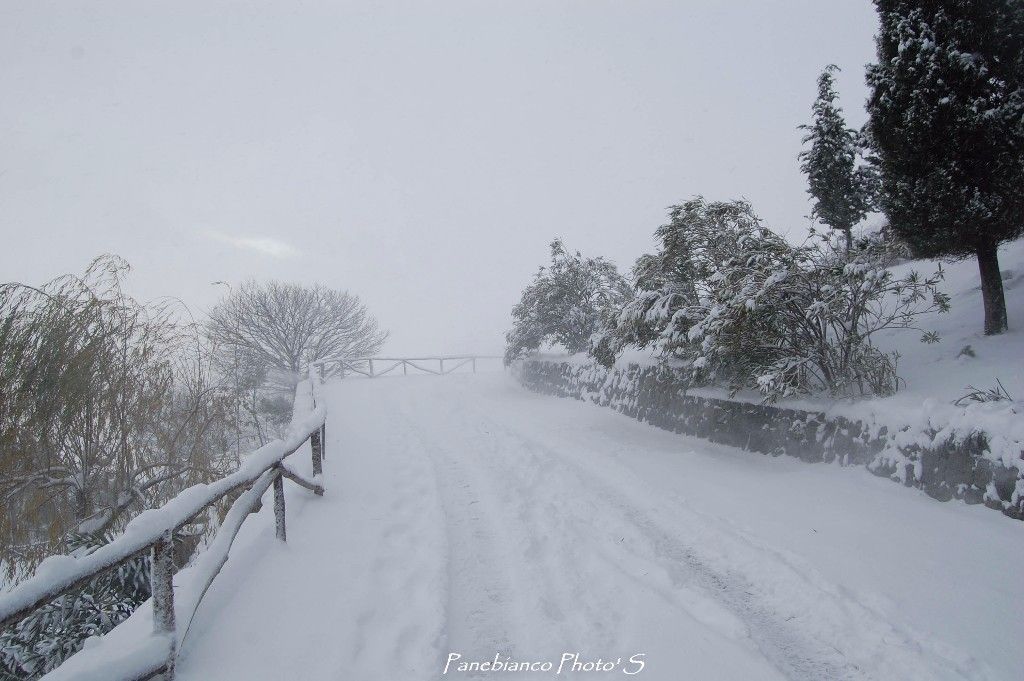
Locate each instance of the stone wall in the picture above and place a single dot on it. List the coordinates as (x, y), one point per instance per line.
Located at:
(953, 469)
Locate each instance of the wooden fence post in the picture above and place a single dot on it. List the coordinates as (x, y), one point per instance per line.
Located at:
(279, 506)
(323, 443)
(441, 360)
(316, 443)
(161, 580)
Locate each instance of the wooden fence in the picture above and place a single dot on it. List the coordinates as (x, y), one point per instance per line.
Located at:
(372, 367)
(152, 652)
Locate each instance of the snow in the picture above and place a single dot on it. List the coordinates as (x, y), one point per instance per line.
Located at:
(466, 515)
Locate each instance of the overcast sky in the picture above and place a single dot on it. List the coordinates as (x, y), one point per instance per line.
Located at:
(421, 155)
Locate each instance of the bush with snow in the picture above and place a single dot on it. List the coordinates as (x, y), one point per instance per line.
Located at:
(59, 629)
(884, 244)
(566, 303)
(682, 275)
(744, 308)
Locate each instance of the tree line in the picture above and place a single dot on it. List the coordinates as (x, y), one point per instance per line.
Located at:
(941, 156)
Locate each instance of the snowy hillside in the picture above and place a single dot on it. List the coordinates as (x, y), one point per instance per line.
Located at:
(942, 371)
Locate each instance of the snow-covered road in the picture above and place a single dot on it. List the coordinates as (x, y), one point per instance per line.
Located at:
(467, 516)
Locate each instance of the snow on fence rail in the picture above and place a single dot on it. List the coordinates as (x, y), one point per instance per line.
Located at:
(372, 367)
(134, 650)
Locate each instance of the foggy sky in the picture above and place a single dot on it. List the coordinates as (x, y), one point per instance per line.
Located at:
(421, 155)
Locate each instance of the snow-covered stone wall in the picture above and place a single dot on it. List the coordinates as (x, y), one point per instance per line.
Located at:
(959, 466)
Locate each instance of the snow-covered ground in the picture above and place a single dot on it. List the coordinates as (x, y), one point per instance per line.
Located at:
(466, 515)
(940, 370)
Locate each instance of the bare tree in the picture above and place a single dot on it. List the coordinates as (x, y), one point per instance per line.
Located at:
(287, 326)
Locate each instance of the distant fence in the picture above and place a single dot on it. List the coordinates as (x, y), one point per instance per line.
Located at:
(148, 651)
(372, 367)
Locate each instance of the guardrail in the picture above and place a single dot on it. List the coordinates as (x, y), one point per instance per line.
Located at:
(372, 367)
(131, 652)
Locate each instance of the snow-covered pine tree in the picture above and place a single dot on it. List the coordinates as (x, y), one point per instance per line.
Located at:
(947, 122)
(840, 189)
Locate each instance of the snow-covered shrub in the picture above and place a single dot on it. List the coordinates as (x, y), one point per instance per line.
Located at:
(744, 308)
(816, 311)
(54, 632)
(674, 282)
(699, 236)
(566, 303)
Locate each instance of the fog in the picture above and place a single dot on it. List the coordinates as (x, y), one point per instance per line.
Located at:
(420, 155)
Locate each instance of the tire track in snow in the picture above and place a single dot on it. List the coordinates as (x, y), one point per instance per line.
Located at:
(479, 590)
(749, 579)
(498, 596)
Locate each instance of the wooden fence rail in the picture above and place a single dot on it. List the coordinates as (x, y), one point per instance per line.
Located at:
(372, 367)
(152, 653)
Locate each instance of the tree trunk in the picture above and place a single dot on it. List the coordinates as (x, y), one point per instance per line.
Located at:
(992, 289)
(83, 504)
(849, 239)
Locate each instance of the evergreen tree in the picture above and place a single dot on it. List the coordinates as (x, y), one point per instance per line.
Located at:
(947, 122)
(840, 189)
